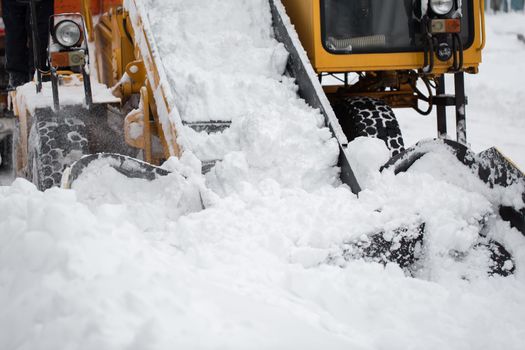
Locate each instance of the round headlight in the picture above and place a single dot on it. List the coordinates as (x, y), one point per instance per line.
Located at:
(441, 7)
(67, 33)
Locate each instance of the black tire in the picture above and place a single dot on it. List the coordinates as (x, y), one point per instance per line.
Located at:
(54, 143)
(365, 116)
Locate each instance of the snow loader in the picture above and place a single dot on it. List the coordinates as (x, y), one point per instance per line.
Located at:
(383, 54)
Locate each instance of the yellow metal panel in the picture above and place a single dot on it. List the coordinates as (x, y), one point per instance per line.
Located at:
(306, 16)
(302, 16)
(114, 46)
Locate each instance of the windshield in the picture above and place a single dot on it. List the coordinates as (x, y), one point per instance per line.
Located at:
(366, 26)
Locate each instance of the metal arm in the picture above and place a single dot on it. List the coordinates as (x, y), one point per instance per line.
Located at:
(34, 40)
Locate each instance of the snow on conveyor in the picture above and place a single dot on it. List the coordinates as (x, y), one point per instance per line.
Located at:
(125, 264)
(223, 64)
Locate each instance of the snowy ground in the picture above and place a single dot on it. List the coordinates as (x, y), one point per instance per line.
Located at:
(124, 264)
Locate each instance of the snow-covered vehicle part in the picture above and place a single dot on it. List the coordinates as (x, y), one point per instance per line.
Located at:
(491, 166)
(405, 246)
(496, 172)
(127, 166)
(408, 246)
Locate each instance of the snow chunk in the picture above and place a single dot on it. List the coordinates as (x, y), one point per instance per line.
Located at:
(367, 155)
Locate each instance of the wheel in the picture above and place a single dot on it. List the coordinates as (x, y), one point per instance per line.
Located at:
(365, 116)
(54, 143)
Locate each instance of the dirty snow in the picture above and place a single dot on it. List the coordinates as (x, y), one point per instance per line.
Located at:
(108, 265)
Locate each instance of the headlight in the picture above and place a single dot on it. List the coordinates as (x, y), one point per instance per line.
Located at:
(67, 33)
(441, 7)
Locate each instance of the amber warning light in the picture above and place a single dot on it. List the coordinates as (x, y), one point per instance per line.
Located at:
(68, 59)
(445, 26)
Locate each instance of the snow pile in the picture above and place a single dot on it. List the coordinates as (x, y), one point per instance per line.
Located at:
(89, 270)
(171, 196)
(367, 155)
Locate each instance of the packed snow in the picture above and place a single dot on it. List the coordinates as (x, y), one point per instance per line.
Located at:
(252, 255)
(71, 93)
